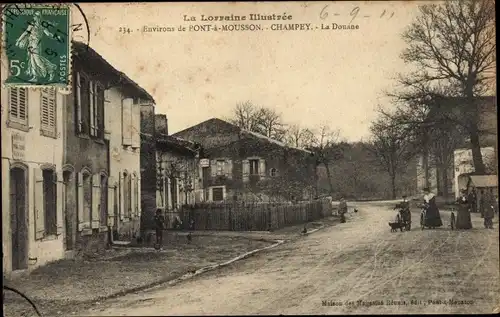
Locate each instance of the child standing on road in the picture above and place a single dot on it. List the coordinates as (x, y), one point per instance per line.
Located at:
(159, 226)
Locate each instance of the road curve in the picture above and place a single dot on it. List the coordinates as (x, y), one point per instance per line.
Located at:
(359, 267)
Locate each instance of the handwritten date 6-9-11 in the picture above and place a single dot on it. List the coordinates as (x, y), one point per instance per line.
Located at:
(353, 14)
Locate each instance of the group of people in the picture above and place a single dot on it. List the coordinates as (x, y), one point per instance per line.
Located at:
(488, 207)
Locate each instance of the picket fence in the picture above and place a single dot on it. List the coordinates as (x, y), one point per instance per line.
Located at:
(253, 216)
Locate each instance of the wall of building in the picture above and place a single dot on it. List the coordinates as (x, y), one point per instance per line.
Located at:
(148, 170)
(294, 178)
(83, 153)
(124, 159)
(464, 165)
(33, 152)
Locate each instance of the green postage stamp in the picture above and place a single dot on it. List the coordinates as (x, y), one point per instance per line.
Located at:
(37, 43)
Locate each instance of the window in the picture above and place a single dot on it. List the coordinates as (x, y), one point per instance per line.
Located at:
(254, 167)
(220, 167)
(89, 104)
(218, 194)
(103, 212)
(273, 172)
(18, 106)
(87, 198)
(49, 201)
(48, 112)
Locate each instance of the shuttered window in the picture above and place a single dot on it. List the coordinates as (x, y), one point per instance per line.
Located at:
(48, 112)
(50, 201)
(18, 105)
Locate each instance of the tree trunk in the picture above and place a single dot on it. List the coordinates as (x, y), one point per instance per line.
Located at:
(473, 116)
(393, 186)
(477, 157)
(328, 174)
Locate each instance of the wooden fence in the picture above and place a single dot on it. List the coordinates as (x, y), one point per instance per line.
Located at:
(241, 216)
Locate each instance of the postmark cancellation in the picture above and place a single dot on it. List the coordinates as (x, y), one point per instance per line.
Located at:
(37, 45)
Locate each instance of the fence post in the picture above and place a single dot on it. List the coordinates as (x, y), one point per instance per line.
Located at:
(269, 218)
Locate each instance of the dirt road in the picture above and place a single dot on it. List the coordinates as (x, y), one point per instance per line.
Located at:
(357, 267)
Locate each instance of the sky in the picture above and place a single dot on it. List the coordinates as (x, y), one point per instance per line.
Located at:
(337, 77)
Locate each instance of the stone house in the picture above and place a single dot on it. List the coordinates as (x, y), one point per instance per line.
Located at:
(169, 169)
(100, 160)
(32, 176)
(451, 176)
(236, 164)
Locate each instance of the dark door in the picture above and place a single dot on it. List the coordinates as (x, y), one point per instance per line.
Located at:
(68, 216)
(18, 219)
(217, 194)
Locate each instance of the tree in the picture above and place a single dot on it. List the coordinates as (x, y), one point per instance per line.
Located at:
(299, 137)
(261, 120)
(246, 116)
(392, 148)
(453, 48)
(327, 147)
(443, 141)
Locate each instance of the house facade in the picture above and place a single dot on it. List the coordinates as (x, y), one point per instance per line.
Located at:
(168, 169)
(236, 164)
(32, 176)
(460, 164)
(101, 154)
(125, 161)
(177, 174)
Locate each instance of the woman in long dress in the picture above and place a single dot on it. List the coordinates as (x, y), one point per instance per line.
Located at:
(432, 216)
(463, 215)
(37, 65)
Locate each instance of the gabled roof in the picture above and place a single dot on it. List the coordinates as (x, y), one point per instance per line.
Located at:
(176, 143)
(86, 52)
(484, 180)
(243, 131)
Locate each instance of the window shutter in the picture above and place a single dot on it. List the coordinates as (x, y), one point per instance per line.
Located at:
(92, 107)
(39, 206)
(132, 196)
(100, 111)
(96, 200)
(18, 105)
(262, 168)
(60, 203)
(126, 122)
(111, 201)
(229, 169)
(121, 208)
(138, 202)
(136, 125)
(246, 170)
(48, 111)
(213, 168)
(81, 222)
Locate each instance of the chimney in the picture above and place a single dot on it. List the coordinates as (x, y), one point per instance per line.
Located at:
(161, 124)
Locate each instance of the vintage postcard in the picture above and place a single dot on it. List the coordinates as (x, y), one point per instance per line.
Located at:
(256, 158)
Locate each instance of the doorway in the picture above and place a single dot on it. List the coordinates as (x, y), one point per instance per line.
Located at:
(18, 219)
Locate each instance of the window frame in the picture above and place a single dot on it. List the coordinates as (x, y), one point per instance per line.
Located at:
(50, 208)
(14, 121)
(273, 172)
(220, 167)
(221, 188)
(254, 170)
(45, 130)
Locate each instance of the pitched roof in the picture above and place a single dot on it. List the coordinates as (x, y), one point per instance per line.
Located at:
(176, 143)
(244, 131)
(83, 50)
(484, 180)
